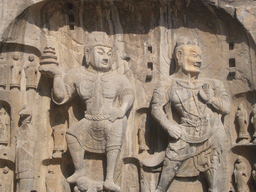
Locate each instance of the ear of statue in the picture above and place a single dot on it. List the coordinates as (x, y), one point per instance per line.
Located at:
(87, 51)
(179, 57)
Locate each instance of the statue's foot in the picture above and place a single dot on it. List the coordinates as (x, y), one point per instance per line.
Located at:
(158, 190)
(243, 141)
(213, 190)
(75, 176)
(111, 186)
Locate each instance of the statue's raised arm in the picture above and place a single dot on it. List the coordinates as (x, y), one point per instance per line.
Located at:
(49, 66)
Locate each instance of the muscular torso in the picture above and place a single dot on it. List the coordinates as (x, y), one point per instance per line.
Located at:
(186, 100)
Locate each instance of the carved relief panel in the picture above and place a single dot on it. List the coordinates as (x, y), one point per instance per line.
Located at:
(106, 96)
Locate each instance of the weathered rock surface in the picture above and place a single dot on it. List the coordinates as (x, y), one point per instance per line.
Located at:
(93, 94)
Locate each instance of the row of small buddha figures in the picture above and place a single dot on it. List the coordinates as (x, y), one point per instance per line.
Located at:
(242, 119)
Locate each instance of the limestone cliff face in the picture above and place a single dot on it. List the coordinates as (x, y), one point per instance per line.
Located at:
(144, 34)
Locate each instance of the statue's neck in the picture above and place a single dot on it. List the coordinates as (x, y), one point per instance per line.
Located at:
(98, 71)
(190, 77)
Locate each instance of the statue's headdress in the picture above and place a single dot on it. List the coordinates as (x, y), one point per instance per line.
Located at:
(99, 38)
(186, 41)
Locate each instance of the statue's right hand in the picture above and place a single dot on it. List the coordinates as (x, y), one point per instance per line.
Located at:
(174, 131)
(50, 70)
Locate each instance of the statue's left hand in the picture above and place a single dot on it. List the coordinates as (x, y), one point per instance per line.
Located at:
(206, 93)
(116, 113)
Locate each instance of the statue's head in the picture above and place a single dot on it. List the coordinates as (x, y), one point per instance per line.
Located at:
(188, 56)
(98, 52)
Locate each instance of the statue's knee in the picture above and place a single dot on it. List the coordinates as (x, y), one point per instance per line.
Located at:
(171, 166)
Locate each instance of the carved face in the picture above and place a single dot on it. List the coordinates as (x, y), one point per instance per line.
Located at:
(100, 58)
(191, 59)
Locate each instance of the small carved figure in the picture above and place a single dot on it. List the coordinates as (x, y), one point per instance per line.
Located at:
(253, 120)
(196, 143)
(142, 134)
(3, 71)
(31, 73)
(241, 176)
(15, 72)
(4, 125)
(242, 117)
(25, 150)
(59, 133)
(107, 96)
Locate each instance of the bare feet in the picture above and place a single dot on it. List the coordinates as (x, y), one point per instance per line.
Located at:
(111, 186)
(75, 176)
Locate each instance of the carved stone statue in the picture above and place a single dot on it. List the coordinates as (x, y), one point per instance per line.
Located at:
(4, 125)
(196, 142)
(59, 133)
(241, 175)
(25, 148)
(242, 117)
(107, 96)
(31, 72)
(15, 72)
(3, 71)
(253, 120)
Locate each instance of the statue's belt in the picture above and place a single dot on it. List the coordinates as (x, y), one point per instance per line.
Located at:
(196, 124)
(96, 117)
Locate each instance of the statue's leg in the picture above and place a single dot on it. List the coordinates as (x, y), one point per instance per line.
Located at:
(212, 173)
(77, 154)
(114, 142)
(168, 173)
(111, 164)
(26, 184)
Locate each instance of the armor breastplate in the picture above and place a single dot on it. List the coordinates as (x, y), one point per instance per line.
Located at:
(98, 94)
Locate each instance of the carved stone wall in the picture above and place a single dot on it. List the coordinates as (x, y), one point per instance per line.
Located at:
(35, 122)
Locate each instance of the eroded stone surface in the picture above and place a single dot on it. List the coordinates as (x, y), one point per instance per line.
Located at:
(86, 71)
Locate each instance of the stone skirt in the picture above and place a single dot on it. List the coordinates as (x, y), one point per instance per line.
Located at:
(99, 136)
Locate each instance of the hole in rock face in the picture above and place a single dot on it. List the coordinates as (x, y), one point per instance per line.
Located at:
(150, 49)
(71, 18)
(70, 6)
(150, 65)
(232, 62)
(231, 46)
(71, 27)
